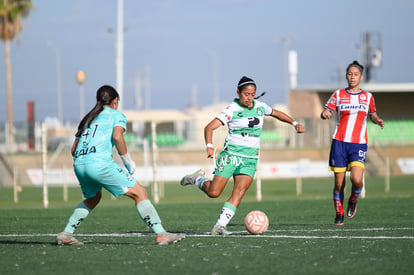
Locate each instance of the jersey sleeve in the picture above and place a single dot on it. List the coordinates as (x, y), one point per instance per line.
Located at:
(267, 109)
(371, 109)
(332, 102)
(226, 115)
(120, 120)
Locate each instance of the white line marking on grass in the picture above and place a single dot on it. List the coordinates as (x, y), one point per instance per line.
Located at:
(240, 234)
(342, 229)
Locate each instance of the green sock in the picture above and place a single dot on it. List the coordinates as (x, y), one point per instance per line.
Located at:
(78, 216)
(150, 216)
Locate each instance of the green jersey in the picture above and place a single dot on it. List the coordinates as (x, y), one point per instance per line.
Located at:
(245, 127)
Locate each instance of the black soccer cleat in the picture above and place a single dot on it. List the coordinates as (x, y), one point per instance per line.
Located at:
(352, 209)
(339, 219)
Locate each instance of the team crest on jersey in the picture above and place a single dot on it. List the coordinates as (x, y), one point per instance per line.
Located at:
(362, 99)
(259, 112)
(332, 101)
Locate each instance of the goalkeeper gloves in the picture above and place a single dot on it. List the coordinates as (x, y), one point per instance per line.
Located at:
(128, 163)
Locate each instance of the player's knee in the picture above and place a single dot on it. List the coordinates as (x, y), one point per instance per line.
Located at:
(91, 203)
(213, 193)
(137, 192)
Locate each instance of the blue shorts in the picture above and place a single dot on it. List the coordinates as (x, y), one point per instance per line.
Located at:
(95, 176)
(345, 155)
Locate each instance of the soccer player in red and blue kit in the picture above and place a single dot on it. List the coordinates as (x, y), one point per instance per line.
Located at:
(349, 144)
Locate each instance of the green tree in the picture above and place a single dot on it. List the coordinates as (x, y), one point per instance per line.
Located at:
(11, 13)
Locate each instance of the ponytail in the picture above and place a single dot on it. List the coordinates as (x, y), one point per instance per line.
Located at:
(104, 96)
(87, 120)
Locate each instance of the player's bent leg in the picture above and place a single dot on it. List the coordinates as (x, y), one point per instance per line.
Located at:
(137, 193)
(214, 188)
(91, 203)
(149, 215)
(357, 174)
(241, 184)
(338, 195)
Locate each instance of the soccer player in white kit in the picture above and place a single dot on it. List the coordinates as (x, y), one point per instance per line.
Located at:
(238, 159)
(98, 132)
(349, 141)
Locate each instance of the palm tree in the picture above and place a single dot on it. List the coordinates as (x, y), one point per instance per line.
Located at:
(11, 12)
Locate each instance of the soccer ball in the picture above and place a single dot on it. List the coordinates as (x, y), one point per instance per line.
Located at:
(256, 222)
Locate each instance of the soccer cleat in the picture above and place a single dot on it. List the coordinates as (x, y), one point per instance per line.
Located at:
(166, 238)
(191, 178)
(339, 219)
(220, 230)
(65, 238)
(352, 208)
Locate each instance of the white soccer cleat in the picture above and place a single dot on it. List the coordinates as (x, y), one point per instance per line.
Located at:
(191, 178)
(166, 238)
(65, 238)
(220, 230)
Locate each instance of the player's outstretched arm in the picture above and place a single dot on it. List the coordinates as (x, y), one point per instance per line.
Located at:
(285, 118)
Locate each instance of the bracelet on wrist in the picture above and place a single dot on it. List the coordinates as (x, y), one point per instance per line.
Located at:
(209, 145)
(294, 123)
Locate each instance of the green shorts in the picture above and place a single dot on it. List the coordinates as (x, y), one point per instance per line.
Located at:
(95, 176)
(228, 165)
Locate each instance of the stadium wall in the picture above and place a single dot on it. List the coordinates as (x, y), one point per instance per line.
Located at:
(187, 160)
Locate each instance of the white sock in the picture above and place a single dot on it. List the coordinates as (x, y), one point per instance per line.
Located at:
(227, 213)
(199, 182)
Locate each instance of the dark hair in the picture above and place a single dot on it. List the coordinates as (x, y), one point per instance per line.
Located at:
(104, 96)
(355, 64)
(245, 81)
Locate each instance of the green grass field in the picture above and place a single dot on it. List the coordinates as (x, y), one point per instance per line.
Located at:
(301, 238)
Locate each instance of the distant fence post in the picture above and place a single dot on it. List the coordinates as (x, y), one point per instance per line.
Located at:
(44, 166)
(301, 163)
(15, 187)
(258, 183)
(65, 185)
(387, 175)
(363, 192)
(156, 195)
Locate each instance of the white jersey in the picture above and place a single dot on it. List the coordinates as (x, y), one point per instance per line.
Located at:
(245, 127)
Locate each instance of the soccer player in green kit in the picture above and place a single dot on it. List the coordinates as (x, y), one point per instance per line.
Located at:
(244, 119)
(98, 132)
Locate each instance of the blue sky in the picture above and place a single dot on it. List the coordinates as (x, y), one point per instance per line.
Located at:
(175, 41)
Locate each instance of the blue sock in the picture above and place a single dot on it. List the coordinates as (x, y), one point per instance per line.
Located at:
(355, 194)
(338, 196)
(78, 216)
(150, 216)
